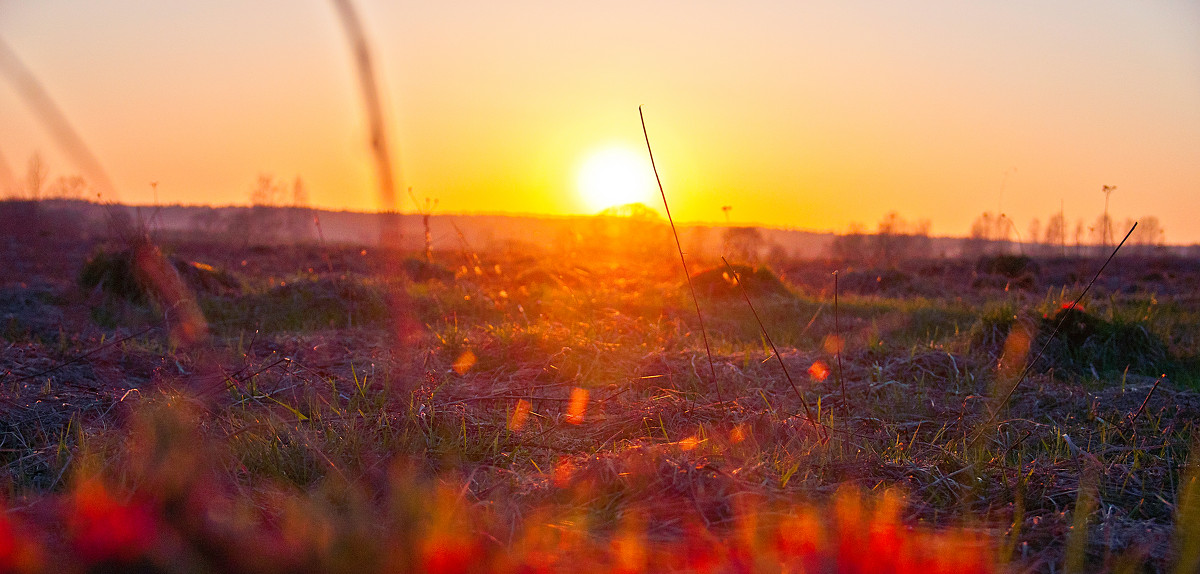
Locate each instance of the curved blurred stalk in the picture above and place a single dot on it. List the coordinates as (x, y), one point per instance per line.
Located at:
(373, 102)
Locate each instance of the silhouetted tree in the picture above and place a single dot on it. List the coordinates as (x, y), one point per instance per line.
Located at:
(1056, 234)
(300, 226)
(742, 243)
(1079, 231)
(1149, 238)
(852, 245)
(1035, 234)
(35, 177)
(68, 187)
(631, 230)
(979, 238)
(1101, 232)
(896, 240)
(262, 222)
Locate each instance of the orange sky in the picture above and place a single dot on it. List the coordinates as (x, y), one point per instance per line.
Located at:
(798, 114)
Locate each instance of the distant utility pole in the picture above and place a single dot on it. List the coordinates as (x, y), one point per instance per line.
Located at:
(726, 209)
(1107, 231)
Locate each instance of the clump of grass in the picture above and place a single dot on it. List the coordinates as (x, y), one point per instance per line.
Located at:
(142, 275)
(205, 278)
(301, 305)
(1088, 344)
(1084, 345)
(113, 273)
(719, 283)
(993, 326)
(125, 274)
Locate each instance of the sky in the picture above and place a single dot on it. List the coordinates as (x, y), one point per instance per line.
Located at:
(813, 115)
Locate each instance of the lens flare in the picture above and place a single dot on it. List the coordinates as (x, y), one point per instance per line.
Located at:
(578, 406)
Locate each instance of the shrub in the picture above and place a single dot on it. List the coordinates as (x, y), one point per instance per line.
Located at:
(759, 282)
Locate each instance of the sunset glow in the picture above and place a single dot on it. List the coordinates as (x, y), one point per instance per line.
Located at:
(615, 176)
(810, 116)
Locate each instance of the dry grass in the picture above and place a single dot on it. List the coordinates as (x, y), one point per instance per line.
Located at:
(499, 423)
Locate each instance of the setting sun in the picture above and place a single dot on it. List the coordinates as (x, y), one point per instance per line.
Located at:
(615, 176)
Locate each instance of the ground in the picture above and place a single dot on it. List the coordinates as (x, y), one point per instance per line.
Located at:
(354, 408)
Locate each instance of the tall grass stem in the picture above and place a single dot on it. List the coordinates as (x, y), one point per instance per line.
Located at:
(837, 332)
(682, 260)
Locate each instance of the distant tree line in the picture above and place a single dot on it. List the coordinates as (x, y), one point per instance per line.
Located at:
(36, 185)
(279, 213)
(994, 234)
(894, 239)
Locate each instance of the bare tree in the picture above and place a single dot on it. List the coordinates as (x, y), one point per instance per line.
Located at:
(1056, 232)
(1005, 229)
(68, 187)
(1101, 232)
(980, 238)
(888, 240)
(267, 192)
(299, 193)
(897, 240)
(852, 245)
(1149, 237)
(743, 243)
(1035, 233)
(300, 223)
(261, 223)
(35, 177)
(1079, 231)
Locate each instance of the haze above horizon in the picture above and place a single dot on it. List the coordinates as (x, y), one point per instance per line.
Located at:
(815, 115)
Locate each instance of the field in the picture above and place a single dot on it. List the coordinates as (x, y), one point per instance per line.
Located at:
(187, 405)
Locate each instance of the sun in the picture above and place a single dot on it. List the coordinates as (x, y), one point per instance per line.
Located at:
(615, 176)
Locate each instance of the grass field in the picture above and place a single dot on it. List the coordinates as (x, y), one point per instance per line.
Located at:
(349, 409)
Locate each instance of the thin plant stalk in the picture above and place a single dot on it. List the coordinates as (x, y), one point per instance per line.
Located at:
(682, 260)
(1135, 416)
(1050, 339)
(782, 365)
(837, 333)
